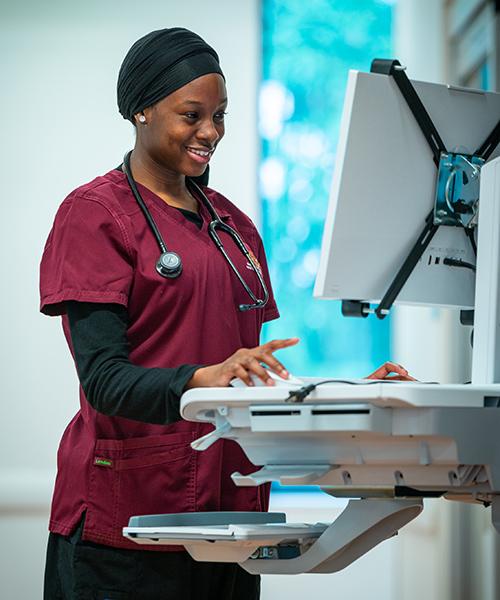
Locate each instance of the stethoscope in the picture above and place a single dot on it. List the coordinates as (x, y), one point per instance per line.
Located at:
(169, 264)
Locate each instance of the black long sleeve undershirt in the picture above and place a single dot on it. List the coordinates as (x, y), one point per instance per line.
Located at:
(112, 384)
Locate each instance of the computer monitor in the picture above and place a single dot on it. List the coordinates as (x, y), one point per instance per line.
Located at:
(384, 187)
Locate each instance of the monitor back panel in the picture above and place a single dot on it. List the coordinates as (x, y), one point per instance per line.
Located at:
(383, 188)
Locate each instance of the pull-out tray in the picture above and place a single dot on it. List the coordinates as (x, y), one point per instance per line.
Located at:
(265, 543)
(239, 535)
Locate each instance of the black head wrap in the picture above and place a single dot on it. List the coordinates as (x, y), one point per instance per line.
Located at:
(160, 63)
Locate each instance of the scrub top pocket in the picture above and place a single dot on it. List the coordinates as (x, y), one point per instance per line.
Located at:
(161, 467)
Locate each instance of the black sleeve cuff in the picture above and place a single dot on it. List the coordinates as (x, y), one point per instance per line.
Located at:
(112, 384)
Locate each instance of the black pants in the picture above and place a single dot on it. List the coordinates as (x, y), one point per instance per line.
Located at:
(78, 570)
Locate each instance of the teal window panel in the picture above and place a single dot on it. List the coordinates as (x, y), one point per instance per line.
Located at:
(308, 48)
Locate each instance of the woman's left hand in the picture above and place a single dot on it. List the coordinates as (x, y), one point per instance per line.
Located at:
(391, 371)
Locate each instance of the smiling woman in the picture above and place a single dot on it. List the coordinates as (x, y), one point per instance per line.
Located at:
(143, 330)
(179, 134)
(139, 339)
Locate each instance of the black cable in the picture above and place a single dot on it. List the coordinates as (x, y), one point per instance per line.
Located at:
(470, 234)
(302, 393)
(458, 262)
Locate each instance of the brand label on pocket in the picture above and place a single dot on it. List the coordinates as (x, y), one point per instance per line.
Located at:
(103, 462)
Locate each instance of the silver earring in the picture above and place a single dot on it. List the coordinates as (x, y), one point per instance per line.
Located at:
(142, 119)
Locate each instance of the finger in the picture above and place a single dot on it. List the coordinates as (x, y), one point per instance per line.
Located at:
(385, 369)
(274, 364)
(249, 358)
(400, 378)
(240, 372)
(397, 368)
(380, 373)
(255, 367)
(274, 345)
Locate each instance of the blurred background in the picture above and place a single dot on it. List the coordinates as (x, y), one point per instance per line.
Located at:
(286, 64)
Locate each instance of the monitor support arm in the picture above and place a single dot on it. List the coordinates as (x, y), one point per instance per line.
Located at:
(394, 69)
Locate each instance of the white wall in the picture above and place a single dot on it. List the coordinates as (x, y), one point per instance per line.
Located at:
(394, 570)
(59, 64)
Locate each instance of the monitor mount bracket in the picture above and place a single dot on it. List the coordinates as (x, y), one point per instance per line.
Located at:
(457, 190)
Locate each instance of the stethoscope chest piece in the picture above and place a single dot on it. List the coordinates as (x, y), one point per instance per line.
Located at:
(169, 265)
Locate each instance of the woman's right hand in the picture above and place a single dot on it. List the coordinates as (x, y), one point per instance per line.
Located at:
(244, 363)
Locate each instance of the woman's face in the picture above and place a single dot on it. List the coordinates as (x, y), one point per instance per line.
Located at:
(183, 130)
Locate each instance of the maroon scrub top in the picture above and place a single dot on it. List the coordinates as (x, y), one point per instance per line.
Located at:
(100, 249)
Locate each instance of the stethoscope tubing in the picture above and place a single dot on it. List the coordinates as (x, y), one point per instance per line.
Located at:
(140, 202)
(216, 222)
